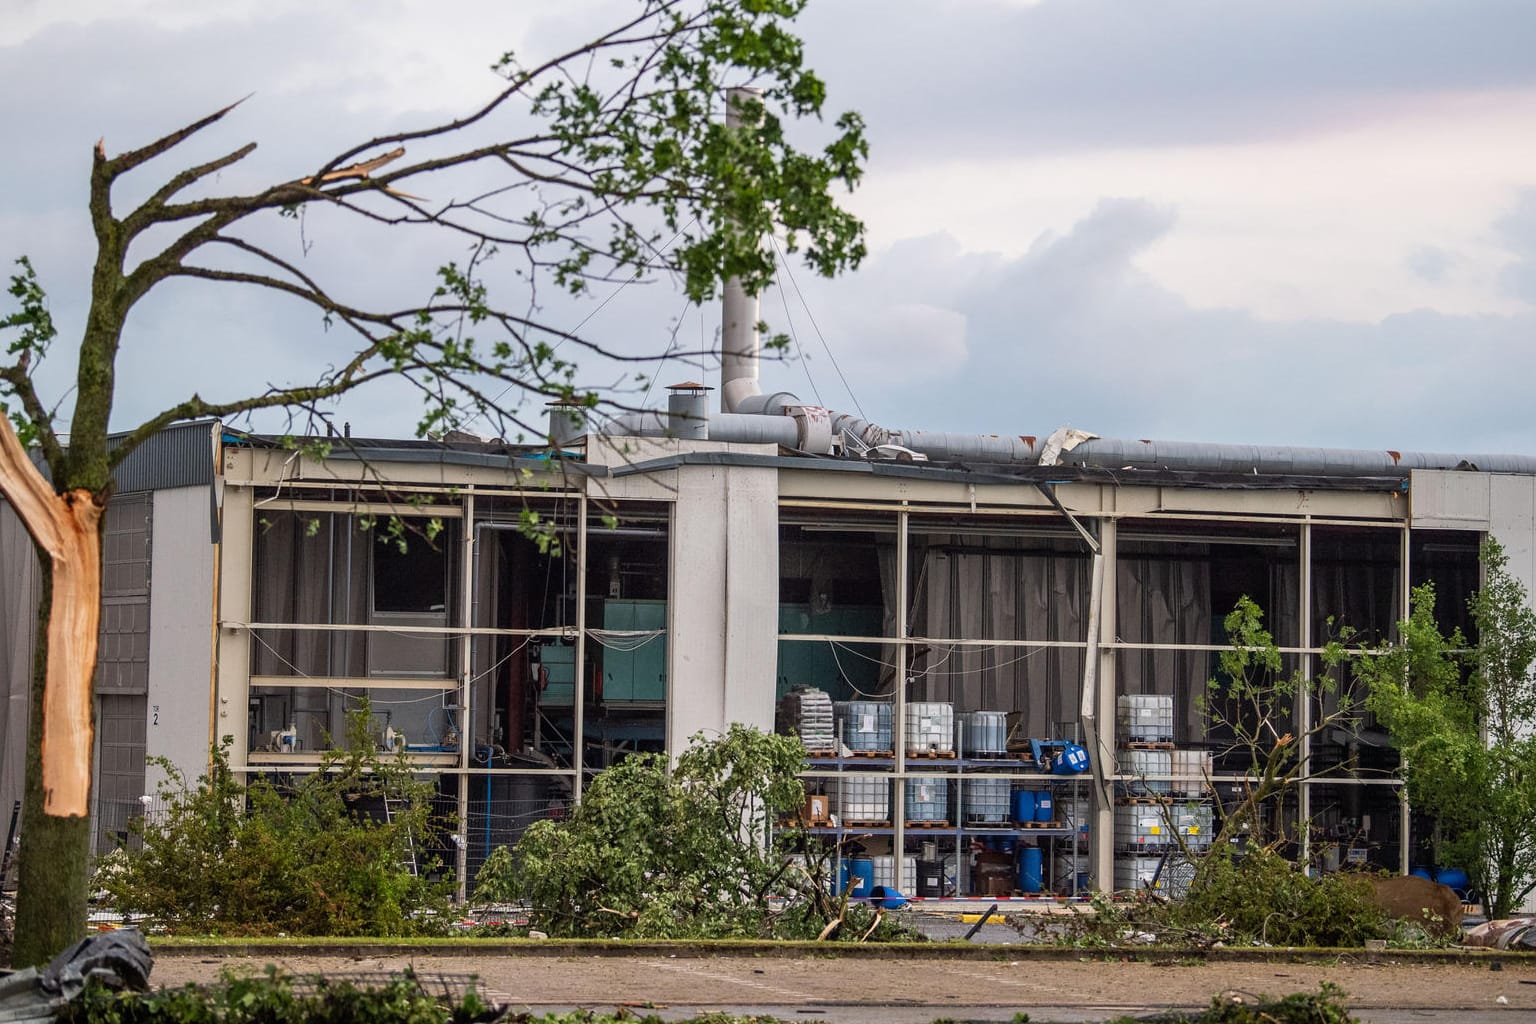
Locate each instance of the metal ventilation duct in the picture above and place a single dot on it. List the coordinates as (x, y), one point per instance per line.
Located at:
(1114, 453)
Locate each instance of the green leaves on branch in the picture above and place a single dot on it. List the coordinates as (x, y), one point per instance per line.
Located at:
(648, 136)
(34, 328)
(1461, 715)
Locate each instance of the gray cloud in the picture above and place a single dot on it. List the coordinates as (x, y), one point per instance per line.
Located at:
(967, 80)
(1517, 231)
(928, 335)
(1431, 263)
(1071, 332)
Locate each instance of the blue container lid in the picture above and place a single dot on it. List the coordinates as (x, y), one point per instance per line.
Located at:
(887, 897)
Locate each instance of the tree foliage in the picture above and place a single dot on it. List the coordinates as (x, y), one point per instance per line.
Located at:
(1462, 718)
(596, 165)
(1254, 701)
(654, 851)
(602, 164)
(314, 856)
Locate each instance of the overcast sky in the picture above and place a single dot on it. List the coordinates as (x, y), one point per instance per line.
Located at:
(1309, 222)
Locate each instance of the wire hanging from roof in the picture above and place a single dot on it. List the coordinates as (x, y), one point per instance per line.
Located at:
(791, 275)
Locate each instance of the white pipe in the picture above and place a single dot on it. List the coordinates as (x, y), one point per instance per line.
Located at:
(732, 427)
(1113, 453)
(739, 310)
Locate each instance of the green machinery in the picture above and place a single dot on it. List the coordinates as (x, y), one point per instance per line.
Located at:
(837, 670)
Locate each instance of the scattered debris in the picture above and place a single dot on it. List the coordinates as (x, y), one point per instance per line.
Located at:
(120, 959)
(1509, 933)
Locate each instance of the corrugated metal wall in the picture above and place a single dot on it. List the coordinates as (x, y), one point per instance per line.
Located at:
(18, 621)
(122, 667)
(178, 456)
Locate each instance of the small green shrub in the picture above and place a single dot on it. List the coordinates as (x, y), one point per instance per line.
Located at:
(304, 859)
(276, 999)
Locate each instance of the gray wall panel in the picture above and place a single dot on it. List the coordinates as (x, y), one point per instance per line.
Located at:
(181, 632)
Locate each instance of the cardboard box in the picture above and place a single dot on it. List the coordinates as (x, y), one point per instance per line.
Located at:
(815, 810)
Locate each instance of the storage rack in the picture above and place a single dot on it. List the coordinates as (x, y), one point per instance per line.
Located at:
(1014, 768)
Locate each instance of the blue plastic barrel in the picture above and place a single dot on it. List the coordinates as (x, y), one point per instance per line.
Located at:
(1031, 864)
(1024, 805)
(1045, 810)
(861, 877)
(1455, 878)
(1073, 760)
(1423, 873)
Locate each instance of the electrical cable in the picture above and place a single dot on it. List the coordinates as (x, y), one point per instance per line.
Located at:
(795, 336)
(812, 316)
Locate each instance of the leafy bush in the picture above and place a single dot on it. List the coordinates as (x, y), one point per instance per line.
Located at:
(1258, 898)
(276, 999)
(306, 858)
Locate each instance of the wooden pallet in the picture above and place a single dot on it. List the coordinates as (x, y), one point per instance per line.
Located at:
(1040, 824)
(929, 824)
(933, 755)
(1149, 745)
(886, 754)
(866, 824)
(821, 753)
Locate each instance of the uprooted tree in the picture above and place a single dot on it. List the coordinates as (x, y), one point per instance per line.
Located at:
(707, 847)
(600, 164)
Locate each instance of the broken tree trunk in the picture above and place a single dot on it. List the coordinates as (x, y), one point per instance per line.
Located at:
(55, 839)
(67, 527)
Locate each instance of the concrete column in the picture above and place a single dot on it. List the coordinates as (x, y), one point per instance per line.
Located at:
(466, 673)
(723, 608)
(237, 549)
(1304, 706)
(579, 687)
(1102, 841)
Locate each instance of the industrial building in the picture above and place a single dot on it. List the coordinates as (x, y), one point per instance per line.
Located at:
(555, 607)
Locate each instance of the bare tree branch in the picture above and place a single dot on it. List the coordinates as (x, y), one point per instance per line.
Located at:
(124, 162)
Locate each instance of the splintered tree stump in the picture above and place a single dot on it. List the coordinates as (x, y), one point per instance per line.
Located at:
(68, 529)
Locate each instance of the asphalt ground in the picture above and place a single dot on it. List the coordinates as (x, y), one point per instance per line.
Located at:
(847, 990)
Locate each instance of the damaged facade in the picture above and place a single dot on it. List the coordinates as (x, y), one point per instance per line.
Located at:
(689, 583)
